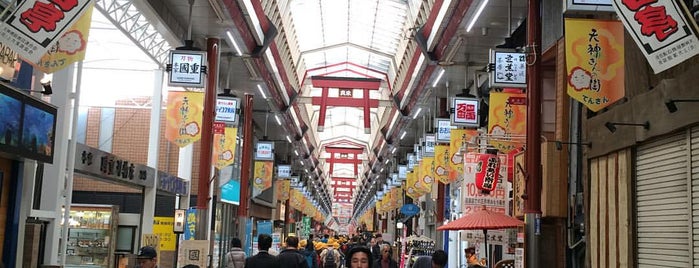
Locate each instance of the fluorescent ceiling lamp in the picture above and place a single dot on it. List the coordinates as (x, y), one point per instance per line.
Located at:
(441, 73)
(393, 151)
(296, 152)
(235, 44)
(419, 109)
(382, 169)
(387, 160)
(262, 92)
(288, 139)
(279, 122)
(403, 135)
(478, 14)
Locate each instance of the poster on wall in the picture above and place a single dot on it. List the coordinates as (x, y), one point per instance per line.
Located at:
(594, 61)
(661, 29)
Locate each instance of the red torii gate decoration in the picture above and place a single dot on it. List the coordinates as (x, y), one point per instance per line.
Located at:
(340, 150)
(345, 85)
(343, 195)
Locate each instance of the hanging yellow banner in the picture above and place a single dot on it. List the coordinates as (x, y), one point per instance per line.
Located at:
(411, 191)
(263, 175)
(297, 199)
(441, 163)
(283, 187)
(70, 47)
(459, 139)
(507, 120)
(184, 116)
(427, 174)
(595, 61)
(224, 148)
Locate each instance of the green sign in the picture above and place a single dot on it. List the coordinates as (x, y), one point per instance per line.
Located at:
(306, 226)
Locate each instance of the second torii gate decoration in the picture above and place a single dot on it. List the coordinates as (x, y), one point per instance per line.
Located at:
(340, 182)
(345, 98)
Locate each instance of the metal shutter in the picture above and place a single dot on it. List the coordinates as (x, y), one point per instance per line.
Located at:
(695, 192)
(662, 203)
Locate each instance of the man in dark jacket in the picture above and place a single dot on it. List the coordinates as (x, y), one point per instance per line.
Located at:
(290, 256)
(263, 259)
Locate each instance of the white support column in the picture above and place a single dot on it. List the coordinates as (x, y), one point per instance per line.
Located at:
(184, 171)
(149, 192)
(53, 190)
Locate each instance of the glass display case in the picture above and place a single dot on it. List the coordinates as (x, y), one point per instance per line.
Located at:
(91, 236)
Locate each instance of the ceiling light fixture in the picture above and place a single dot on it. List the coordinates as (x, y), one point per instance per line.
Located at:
(478, 14)
(262, 92)
(393, 151)
(296, 152)
(417, 113)
(234, 43)
(289, 139)
(439, 77)
(403, 134)
(279, 122)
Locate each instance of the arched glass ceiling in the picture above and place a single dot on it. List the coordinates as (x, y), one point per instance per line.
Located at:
(373, 24)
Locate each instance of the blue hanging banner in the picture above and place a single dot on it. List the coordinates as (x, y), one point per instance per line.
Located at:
(190, 225)
(247, 244)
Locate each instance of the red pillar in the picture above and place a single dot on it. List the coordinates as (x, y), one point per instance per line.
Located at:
(323, 109)
(367, 112)
(207, 137)
(356, 170)
(246, 162)
(532, 205)
(331, 161)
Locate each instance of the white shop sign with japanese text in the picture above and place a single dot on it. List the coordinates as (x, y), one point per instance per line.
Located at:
(186, 69)
(661, 30)
(36, 25)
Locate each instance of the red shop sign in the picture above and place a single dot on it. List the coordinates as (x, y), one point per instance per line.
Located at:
(487, 172)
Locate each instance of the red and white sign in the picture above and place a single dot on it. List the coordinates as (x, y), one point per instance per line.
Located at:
(465, 112)
(661, 30)
(487, 172)
(35, 26)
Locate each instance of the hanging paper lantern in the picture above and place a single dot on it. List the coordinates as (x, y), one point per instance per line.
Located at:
(487, 172)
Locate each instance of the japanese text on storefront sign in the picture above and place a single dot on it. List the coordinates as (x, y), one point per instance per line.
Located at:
(465, 111)
(187, 68)
(36, 25)
(660, 29)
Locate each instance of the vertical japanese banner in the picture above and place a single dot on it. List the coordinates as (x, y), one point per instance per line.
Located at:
(662, 30)
(595, 61)
(441, 163)
(263, 175)
(70, 47)
(283, 187)
(507, 120)
(427, 174)
(459, 138)
(35, 26)
(190, 225)
(184, 116)
(410, 186)
(224, 147)
(296, 199)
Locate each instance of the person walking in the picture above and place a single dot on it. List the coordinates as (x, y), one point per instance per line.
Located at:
(359, 257)
(385, 260)
(331, 256)
(263, 259)
(147, 257)
(438, 259)
(235, 258)
(290, 257)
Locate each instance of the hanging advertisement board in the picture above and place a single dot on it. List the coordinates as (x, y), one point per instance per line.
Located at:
(510, 68)
(465, 112)
(186, 70)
